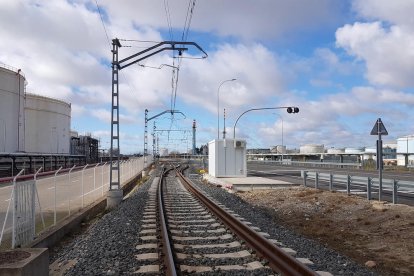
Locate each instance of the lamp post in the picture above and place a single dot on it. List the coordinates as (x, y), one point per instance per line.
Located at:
(281, 118)
(218, 103)
(289, 109)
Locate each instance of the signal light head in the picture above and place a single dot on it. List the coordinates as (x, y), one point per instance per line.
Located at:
(292, 109)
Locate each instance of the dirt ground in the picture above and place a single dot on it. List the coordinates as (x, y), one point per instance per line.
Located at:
(376, 234)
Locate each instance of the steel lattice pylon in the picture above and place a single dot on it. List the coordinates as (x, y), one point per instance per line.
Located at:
(115, 183)
(117, 65)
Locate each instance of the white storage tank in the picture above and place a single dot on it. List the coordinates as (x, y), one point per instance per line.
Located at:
(12, 87)
(370, 153)
(311, 148)
(47, 125)
(405, 150)
(336, 150)
(278, 149)
(354, 150)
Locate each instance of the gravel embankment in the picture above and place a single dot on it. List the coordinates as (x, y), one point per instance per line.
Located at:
(108, 246)
(324, 259)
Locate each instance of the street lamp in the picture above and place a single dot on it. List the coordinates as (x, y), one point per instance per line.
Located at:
(289, 109)
(282, 133)
(218, 110)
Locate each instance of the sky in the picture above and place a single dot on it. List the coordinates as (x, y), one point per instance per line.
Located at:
(344, 63)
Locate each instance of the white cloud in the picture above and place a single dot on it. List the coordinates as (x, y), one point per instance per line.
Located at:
(385, 45)
(341, 119)
(104, 115)
(254, 66)
(396, 12)
(263, 19)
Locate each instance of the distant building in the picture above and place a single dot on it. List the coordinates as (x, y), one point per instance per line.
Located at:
(204, 150)
(84, 145)
(258, 151)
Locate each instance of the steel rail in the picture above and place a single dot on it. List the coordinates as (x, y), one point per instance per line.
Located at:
(167, 256)
(277, 258)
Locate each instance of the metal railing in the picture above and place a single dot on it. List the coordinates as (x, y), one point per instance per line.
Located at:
(63, 194)
(363, 183)
(312, 164)
(11, 68)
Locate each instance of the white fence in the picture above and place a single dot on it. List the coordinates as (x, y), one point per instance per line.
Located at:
(40, 203)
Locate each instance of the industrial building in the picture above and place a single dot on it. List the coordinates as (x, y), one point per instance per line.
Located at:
(84, 145)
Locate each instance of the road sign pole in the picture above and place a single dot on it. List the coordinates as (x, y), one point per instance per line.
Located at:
(379, 129)
(379, 162)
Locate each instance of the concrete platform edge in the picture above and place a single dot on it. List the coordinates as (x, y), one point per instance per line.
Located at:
(36, 264)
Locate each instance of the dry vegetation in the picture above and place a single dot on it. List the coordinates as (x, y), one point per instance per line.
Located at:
(376, 234)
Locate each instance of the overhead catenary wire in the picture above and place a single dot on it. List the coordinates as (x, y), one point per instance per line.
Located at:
(186, 29)
(189, 16)
(103, 23)
(168, 15)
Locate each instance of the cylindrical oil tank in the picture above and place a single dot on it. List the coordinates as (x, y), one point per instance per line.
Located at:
(278, 149)
(405, 150)
(354, 150)
(370, 153)
(335, 150)
(371, 150)
(47, 125)
(12, 87)
(311, 148)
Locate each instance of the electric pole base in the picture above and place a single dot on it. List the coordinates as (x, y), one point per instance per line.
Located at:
(114, 197)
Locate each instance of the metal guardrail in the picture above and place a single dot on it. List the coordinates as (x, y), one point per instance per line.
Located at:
(371, 183)
(309, 164)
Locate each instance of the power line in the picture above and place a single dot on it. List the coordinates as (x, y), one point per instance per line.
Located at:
(167, 13)
(186, 29)
(189, 16)
(103, 24)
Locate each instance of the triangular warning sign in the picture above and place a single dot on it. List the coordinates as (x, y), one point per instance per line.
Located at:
(379, 128)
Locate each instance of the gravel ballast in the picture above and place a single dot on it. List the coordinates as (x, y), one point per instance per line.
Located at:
(108, 246)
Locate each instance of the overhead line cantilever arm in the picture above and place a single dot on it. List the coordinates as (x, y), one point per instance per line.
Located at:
(147, 56)
(166, 111)
(172, 43)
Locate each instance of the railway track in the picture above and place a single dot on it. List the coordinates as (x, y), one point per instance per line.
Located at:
(185, 232)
